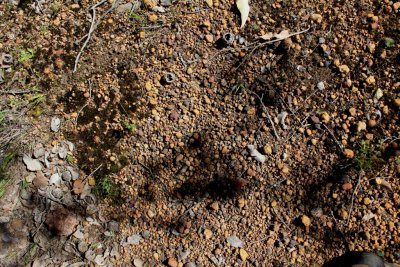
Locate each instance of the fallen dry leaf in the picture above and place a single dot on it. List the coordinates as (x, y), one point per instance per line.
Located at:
(244, 8)
(78, 187)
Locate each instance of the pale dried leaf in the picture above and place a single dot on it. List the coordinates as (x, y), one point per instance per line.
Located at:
(32, 164)
(282, 35)
(368, 217)
(244, 8)
(256, 155)
(234, 241)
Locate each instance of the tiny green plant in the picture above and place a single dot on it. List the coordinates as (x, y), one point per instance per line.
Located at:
(239, 87)
(130, 127)
(36, 99)
(255, 27)
(137, 18)
(25, 55)
(107, 188)
(389, 42)
(70, 159)
(369, 155)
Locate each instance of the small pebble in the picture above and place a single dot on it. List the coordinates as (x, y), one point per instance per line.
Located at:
(348, 153)
(172, 262)
(243, 254)
(207, 233)
(209, 38)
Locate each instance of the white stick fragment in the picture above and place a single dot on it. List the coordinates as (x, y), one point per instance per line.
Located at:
(281, 117)
(257, 155)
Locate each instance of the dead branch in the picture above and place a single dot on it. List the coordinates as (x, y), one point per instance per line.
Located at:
(93, 27)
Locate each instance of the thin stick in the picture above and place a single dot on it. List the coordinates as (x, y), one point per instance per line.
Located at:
(333, 136)
(268, 116)
(77, 115)
(93, 172)
(360, 175)
(91, 30)
(280, 39)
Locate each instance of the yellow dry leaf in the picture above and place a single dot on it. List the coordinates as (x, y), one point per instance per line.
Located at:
(91, 181)
(282, 35)
(244, 8)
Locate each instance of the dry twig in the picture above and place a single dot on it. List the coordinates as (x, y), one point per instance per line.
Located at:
(93, 26)
(360, 175)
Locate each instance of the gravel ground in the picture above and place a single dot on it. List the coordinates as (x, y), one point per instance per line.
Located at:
(210, 152)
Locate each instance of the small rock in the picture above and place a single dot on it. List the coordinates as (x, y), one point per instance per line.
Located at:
(347, 186)
(343, 214)
(361, 126)
(151, 213)
(267, 149)
(207, 233)
(378, 94)
(371, 123)
(214, 205)
(32, 164)
(325, 117)
(367, 201)
(183, 254)
(241, 202)
(166, 3)
(124, 8)
(150, 4)
(190, 264)
(131, 240)
(152, 17)
(209, 38)
(369, 136)
(370, 80)
(145, 234)
(189, 71)
(314, 141)
(315, 119)
(243, 254)
(138, 263)
(316, 17)
(55, 124)
(66, 176)
(209, 3)
(251, 172)
(172, 262)
(353, 112)
(397, 100)
(321, 86)
(306, 220)
(348, 153)
(344, 69)
(174, 115)
(396, 6)
(234, 241)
